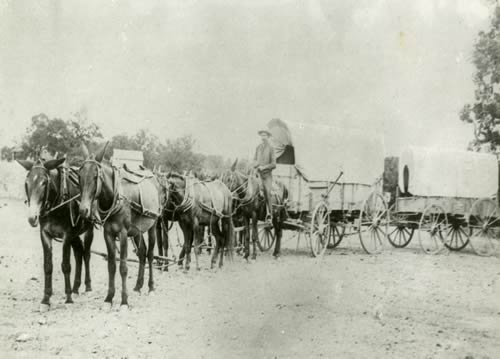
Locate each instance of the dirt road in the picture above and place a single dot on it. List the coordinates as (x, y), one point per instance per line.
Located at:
(400, 304)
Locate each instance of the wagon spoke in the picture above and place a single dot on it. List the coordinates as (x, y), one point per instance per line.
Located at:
(479, 221)
(459, 235)
(495, 220)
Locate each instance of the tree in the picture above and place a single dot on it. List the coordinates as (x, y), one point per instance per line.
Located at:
(6, 153)
(144, 141)
(59, 136)
(178, 155)
(484, 113)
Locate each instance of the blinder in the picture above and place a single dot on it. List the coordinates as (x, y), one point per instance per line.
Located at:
(99, 177)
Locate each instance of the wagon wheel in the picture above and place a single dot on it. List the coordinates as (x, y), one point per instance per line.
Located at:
(432, 223)
(266, 238)
(373, 223)
(457, 236)
(484, 221)
(319, 230)
(336, 235)
(401, 235)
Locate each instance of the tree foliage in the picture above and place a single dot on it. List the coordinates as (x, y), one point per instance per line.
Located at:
(58, 135)
(484, 113)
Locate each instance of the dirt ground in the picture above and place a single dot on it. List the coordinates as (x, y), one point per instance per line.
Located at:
(400, 304)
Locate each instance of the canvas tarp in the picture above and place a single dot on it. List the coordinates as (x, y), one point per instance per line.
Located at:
(322, 151)
(448, 173)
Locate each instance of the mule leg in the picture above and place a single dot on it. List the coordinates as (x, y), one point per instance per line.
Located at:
(151, 247)
(123, 266)
(278, 232)
(87, 244)
(215, 233)
(159, 237)
(66, 266)
(246, 237)
(141, 253)
(219, 249)
(77, 246)
(187, 231)
(109, 238)
(197, 239)
(47, 269)
(209, 242)
(182, 254)
(165, 242)
(255, 235)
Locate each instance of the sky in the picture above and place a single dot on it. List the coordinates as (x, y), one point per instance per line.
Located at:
(220, 70)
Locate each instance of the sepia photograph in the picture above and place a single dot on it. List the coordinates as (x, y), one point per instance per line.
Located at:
(250, 179)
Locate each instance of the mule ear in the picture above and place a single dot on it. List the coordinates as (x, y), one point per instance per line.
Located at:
(51, 164)
(100, 155)
(85, 151)
(233, 167)
(27, 164)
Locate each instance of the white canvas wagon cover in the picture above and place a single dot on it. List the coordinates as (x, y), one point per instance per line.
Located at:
(448, 173)
(322, 151)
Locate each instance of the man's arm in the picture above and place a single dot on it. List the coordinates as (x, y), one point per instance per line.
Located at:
(255, 164)
(272, 161)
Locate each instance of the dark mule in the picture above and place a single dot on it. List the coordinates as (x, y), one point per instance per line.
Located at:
(127, 205)
(194, 204)
(51, 190)
(249, 206)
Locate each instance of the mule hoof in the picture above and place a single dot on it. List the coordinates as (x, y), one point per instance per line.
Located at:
(44, 308)
(124, 308)
(138, 290)
(75, 292)
(69, 301)
(88, 288)
(107, 306)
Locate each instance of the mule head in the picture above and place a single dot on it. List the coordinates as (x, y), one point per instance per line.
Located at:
(90, 178)
(37, 185)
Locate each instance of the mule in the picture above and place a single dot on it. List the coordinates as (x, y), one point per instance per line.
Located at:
(195, 204)
(250, 207)
(127, 205)
(51, 190)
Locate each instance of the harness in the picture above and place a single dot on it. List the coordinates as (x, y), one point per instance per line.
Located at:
(118, 197)
(188, 199)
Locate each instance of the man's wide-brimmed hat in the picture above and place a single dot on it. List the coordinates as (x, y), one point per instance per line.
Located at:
(264, 132)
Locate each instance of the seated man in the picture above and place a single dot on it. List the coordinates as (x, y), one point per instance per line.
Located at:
(265, 162)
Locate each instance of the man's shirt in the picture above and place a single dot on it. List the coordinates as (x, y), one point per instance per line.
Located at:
(265, 157)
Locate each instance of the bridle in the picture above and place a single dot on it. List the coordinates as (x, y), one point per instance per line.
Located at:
(240, 191)
(99, 177)
(99, 184)
(45, 204)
